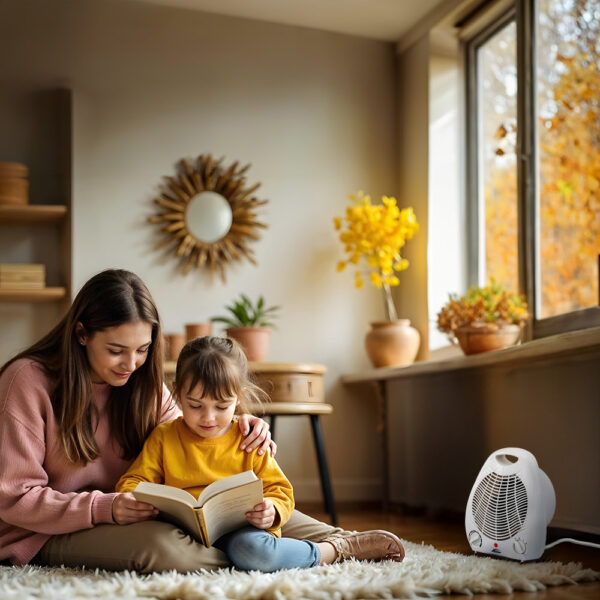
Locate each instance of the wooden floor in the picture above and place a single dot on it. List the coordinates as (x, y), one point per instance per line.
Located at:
(449, 534)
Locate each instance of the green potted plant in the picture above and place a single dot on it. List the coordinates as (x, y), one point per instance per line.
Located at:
(485, 318)
(250, 325)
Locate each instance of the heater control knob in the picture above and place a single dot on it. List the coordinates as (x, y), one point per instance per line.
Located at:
(475, 538)
(520, 546)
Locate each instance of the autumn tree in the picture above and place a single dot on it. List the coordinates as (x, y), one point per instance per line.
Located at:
(569, 143)
(569, 164)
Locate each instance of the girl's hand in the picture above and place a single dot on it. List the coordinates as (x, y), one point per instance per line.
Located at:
(256, 435)
(263, 515)
(126, 509)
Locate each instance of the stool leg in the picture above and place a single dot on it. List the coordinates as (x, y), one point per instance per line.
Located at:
(323, 469)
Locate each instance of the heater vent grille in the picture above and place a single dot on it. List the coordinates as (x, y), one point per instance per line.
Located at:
(500, 506)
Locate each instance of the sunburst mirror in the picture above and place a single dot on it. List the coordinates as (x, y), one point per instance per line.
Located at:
(208, 214)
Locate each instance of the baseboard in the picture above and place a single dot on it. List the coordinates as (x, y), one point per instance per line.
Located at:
(343, 490)
(576, 528)
(558, 529)
(316, 508)
(431, 512)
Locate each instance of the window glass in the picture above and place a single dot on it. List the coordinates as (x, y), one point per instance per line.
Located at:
(497, 167)
(568, 133)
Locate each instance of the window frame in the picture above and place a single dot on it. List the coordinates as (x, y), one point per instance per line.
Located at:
(486, 30)
(523, 12)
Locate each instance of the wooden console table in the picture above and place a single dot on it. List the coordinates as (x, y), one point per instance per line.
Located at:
(578, 344)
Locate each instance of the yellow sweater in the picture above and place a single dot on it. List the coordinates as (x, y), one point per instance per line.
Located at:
(176, 456)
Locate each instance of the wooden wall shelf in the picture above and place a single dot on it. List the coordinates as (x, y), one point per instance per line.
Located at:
(32, 214)
(48, 294)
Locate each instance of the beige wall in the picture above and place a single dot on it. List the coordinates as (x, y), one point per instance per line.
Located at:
(413, 148)
(313, 112)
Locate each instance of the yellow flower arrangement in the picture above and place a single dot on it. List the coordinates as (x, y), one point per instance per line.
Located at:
(377, 233)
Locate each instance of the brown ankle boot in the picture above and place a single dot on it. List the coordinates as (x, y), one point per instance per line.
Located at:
(368, 545)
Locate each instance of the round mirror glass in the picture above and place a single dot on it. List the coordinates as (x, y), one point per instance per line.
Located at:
(208, 216)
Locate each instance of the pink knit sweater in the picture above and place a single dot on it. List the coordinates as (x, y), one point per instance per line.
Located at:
(41, 494)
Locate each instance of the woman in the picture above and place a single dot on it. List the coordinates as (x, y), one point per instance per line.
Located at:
(75, 410)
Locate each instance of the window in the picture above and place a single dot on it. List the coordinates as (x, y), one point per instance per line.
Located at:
(533, 93)
(494, 216)
(568, 166)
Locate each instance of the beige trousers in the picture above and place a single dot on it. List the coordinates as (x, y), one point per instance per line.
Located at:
(150, 546)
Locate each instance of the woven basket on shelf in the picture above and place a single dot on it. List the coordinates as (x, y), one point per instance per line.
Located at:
(14, 186)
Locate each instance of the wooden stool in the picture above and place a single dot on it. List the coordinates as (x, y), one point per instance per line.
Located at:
(296, 389)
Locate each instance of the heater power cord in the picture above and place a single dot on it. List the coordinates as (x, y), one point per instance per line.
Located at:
(572, 541)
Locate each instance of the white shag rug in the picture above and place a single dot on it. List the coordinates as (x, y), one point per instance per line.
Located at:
(425, 572)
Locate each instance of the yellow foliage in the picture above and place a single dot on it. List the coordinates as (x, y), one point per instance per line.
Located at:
(376, 233)
(569, 191)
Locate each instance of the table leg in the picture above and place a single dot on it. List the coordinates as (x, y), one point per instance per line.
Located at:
(381, 395)
(323, 469)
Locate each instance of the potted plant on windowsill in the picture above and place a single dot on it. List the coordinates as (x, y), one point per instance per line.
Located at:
(373, 236)
(485, 318)
(250, 325)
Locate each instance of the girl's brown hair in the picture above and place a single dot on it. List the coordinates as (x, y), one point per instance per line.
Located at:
(109, 299)
(219, 366)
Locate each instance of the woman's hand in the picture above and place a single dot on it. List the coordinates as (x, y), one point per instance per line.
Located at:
(126, 509)
(256, 435)
(263, 515)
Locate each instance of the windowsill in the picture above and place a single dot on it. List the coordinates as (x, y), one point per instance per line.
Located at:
(564, 344)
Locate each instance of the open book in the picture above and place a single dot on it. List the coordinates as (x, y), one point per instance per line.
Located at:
(220, 508)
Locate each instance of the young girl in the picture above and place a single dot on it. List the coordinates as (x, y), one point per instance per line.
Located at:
(211, 387)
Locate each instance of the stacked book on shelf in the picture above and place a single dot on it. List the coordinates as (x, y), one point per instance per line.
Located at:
(22, 277)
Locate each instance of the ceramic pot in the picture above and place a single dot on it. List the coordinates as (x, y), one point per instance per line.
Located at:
(174, 343)
(477, 338)
(253, 340)
(392, 343)
(196, 330)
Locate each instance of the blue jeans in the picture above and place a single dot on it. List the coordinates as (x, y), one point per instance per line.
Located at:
(252, 549)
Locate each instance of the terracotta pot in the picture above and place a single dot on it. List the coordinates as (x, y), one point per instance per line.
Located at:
(196, 330)
(254, 341)
(474, 339)
(174, 342)
(392, 343)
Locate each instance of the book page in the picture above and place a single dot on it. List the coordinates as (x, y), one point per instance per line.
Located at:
(175, 505)
(152, 490)
(216, 487)
(227, 510)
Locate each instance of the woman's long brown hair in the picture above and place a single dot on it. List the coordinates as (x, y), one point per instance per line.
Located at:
(109, 299)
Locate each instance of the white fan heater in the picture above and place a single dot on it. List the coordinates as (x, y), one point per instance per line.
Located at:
(510, 506)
